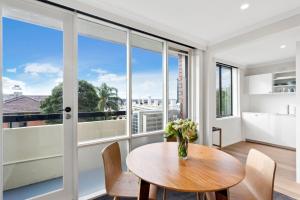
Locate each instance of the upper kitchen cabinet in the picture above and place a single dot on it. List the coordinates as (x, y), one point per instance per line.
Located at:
(284, 82)
(272, 83)
(260, 84)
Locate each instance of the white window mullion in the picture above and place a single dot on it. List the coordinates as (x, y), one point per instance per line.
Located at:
(70, 99)
(129, 90)
(1, 105)
(166, 84)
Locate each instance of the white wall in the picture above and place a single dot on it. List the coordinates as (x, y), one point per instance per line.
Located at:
(196, 92)
(282, 65)
(298, 114)
(276, 103)
(231, 126)
(231, 129)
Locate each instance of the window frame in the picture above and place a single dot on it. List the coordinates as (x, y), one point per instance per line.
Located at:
(129, 137)
(72, 19)
(221, 66)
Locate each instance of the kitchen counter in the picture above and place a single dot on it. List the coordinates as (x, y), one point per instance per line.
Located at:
(276, 114)
(273, 128)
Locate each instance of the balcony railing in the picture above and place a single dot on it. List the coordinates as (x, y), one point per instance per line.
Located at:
(58, 116)
(36, 152)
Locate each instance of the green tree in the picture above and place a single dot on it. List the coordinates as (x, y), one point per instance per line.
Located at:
(108, 98)
(87, 99)
(54, 102)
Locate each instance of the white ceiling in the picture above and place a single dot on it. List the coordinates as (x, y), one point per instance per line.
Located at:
(265, 49)
(210, 20)
(213, 21)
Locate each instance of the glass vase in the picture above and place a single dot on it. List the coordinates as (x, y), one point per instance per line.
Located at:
(182, 148)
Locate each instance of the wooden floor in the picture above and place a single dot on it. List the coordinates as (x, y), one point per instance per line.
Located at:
(285, 177)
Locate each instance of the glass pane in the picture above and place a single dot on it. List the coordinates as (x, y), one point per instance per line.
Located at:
(177, 86)
(218, 91)
(91, 172)
(226, 91)
(32, 100)
(102, 82)
(147, 85)
(140, 141)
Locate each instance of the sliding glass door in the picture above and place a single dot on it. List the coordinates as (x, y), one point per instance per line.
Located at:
(71, 85)
(36, 93)
(102, 99)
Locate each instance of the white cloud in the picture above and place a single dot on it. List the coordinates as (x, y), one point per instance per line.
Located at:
(11, 70)
(173, 84)
(110, 78)
(99, 71)
(42, 68)
(144, 84)
(8, 84)
(58, 80)
(41, 89)
(147, 84)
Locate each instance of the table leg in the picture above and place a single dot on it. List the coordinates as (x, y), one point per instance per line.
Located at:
(200, 196)
(222, 195)
(144, 190)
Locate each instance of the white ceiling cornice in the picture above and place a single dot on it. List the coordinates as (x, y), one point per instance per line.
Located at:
(107, 10)
(291, 60)
(258, 26)
(122, 16)
(276, 27)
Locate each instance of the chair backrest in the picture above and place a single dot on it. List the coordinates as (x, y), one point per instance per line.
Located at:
(260, 174)
(112, 164)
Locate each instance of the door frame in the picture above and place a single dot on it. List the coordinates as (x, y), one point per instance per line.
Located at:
(68, 20)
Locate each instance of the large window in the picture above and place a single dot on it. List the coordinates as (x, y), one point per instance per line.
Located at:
(147, 85)
(101, 81)
(225, 90)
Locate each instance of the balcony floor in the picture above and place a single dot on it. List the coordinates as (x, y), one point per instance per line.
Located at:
(32, 190)
(89, 182)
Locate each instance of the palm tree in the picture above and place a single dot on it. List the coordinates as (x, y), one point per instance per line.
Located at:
(108, 98)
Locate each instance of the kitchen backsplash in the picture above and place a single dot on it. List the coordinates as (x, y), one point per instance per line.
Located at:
(283, 104)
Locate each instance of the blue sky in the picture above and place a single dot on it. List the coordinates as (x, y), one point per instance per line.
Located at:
(33, 59)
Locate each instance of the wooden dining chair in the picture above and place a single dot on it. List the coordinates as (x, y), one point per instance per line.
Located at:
(118, 183)
(258, 183)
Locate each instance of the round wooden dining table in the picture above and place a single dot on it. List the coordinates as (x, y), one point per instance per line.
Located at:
(206, 169)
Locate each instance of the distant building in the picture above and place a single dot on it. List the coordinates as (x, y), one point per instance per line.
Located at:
(19, 104)
(181, 85)
(147, 121)
(151, 120)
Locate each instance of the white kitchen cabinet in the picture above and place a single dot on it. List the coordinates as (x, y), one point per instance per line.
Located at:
(270, 128)
(260, 84)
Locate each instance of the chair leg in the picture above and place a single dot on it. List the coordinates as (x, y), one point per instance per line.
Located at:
(116, 198)
(165, 194)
